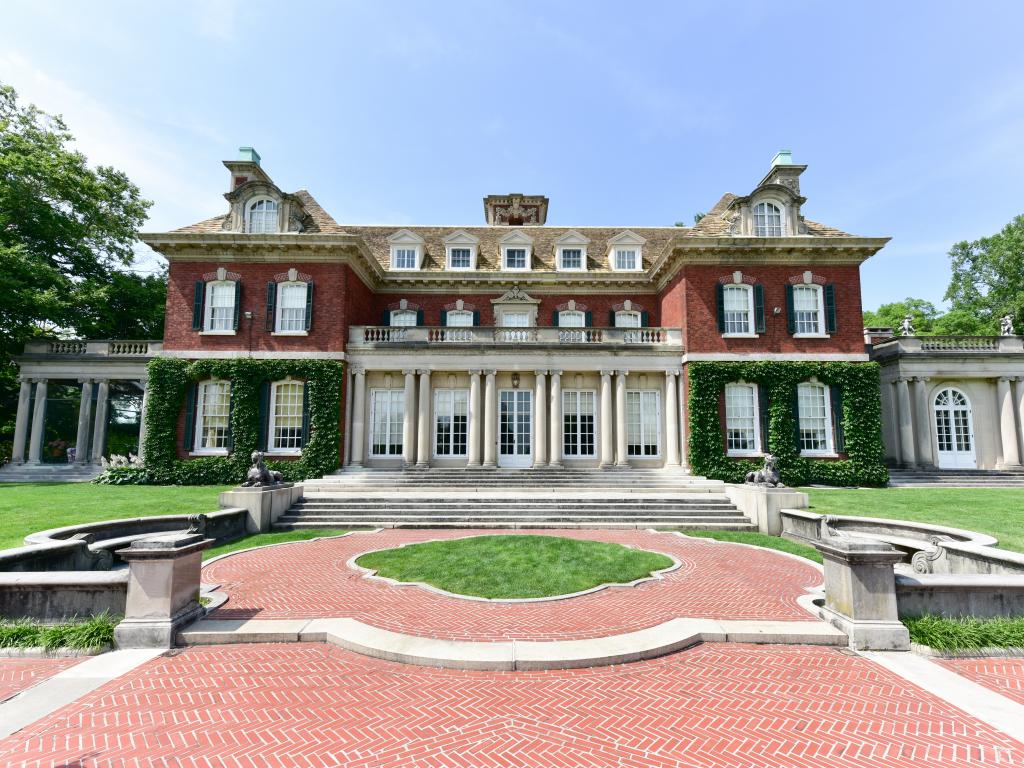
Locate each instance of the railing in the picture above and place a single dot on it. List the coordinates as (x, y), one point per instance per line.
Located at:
(960, 343)
(951, 344)
(372, 335)
(76, 347)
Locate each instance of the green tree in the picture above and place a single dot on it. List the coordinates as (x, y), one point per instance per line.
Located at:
(988, 277)
(891, 315)
(122, 306)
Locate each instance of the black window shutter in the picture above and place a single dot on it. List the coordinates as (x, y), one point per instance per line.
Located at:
(611, 318)
(790, 319)
(588, 319)
(305, 414)
(271, 306)
(720, 306)
(759, 323)
(554, 319)
(444, 317)
(197, 306)
(386, 317)
(476, 317)
(830, 308)
(238, 302)
(264, 417)
(190, 417)
(837, 418)
(645, 320)
(764, 404)
(309, 305)
(231, 413)
(419, 317)
(796, 418)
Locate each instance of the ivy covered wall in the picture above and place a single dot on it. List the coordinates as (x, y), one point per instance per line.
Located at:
(777, 381)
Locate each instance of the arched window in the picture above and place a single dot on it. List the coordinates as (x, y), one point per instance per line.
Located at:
(767, 220)
(261, 217)
(460, 318)
(571, 319)
(405, 317)
(954, 430)
(814, 410)
(741, 419)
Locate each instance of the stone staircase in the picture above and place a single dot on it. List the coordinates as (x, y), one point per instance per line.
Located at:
(535, 498)
(48, 473)
(956, 478)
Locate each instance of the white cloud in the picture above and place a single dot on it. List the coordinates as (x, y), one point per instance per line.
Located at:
(218, 19)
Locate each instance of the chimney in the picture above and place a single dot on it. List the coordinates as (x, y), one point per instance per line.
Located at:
(784, 172)
(245, 168)
(250, 155)
(782, 157)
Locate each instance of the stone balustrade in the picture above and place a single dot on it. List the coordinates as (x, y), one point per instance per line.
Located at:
(105, 348)
(372, 335)
(952, 344)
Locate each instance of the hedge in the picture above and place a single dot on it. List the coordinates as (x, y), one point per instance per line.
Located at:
(861, 421)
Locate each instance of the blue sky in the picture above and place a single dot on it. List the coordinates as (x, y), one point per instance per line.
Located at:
(910, 115)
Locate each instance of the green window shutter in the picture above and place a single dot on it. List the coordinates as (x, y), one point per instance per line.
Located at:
(796, 419)
(386, 317)
(645, 320)
(759, 323)
(790, 318)
(588, 319)
(444, 317)
(271, 306)
(419, 317)
(554, 319)
(264, 417)
(238, 302)
(231, 416)
(305, 414)
(836, 395)
(830, 308)
(720, 306)
(611, 318)
(765, 405)
(197, 306)
(309, 305)
(190, 417)
(476, 317)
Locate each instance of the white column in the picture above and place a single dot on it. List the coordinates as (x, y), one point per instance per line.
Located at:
(84, 416)
(35, 443)
(907, 452)
(490, 419)
(1007, 425)
(409, 422)
(555, 423)
(683, 426)
(621, 459)
(142, 419)
(358, 416)
(1020, 411)
(671, 420)
(99, 426)
(923, 428)
(21, 422)
(346, 439)
(423, 427)
(474, 419)
(540, 419)
(607, 427)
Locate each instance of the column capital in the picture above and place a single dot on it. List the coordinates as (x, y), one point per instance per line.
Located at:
(423, 372)
(622, 373)
(85, 380)
(922, 379)
(606, 372)
(555, 372)
(540, 373)
(489, 371)
(356, 370)
(408, 371)
(475, 371)
(42, 380)
(903, 379)
(671, 373)
(1007, 378)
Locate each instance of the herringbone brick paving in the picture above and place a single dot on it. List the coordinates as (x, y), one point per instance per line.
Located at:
(1003, 675)
(311, 580)
(18, 674)
(299, 705)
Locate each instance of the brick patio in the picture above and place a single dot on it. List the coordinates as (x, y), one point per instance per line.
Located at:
(18, 674)
(311, 580)
(1002, 675)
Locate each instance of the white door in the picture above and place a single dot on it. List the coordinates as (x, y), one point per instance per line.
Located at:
(954, 430)
(515, 428)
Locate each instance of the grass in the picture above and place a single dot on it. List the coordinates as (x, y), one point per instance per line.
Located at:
(511, 566)
(263, 539)
(966, 633)
(998, 512)
(82, 635)
(31, 507)
(761, 540)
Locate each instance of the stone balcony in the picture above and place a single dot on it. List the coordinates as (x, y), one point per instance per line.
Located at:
(955, 345)
(64, 348)
(378, 336)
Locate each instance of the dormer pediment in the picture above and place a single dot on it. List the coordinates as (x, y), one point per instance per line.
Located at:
(626, 238)
(516, 238)
(461, 237)
(572, 237)
(406, 237)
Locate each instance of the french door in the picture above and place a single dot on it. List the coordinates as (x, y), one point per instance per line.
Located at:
(515, 428)
(954, 430)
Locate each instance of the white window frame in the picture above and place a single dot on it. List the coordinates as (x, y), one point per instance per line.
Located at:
(263, 216)
(829, 449)
(820, 292)
(625, 242)
(516, 247)
(645, 394)
(404, 312)
(200, 414)
(749, 291)
(469, 266)
(595, 414)
(452, 395)
(757, 450)
(782, 218)
(394, 396)
(624, 313)
(404, 240)
(453, 313)
(208, 309)
(582, 249)
(634, 254)
(531, 315)
(279, 309)
(400, 252)
(272, 447)
(578, 316)
(461, 240)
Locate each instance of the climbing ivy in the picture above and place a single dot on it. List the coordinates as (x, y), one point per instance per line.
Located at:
(777, 381)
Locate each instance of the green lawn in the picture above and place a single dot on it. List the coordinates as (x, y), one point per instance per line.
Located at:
(28, 508)
(998, 512)
(263, 539)
(514, 566)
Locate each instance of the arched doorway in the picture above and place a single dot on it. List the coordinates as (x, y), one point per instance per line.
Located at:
(954, 430)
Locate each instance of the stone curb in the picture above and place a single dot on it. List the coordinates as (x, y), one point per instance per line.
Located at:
(38, 652)
(213, 560)
(649, 643)
(973, 653)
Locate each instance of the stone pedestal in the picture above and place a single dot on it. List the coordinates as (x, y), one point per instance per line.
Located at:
(163, 589)
(264, 505)
(860, 592)
(764, 505)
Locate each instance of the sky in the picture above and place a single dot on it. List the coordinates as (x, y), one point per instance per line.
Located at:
(909, 115)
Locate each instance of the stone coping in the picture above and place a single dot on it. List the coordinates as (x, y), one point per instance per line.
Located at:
(891, 527)
(369, 573)
(970, 653)
(659, 640)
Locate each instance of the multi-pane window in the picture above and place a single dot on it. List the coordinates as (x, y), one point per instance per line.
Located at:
(953, 421)
(515, 258)
(285, 426)
(213, 415)
(515, 319)
(460, 318)
(741, 420)
(578, 421)
(291, 307)
(767, 220)
(571, 319)
(627, 319)
(405, 258)
(262, 217)
(813, 409)
(405, 317)
(460, 258)
(451, 422)
(625, 258)
(642, 408)
(515, 423)
(387, 412)
(220, 302)
(572, 258)
(738, 307)
(807, 309)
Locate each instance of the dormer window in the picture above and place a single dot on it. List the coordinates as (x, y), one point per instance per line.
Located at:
(571, 251)
(515, 258)
(625, 258)
(767, 220)
(261, 217)
(405, 258)
(461, 249)
(625, 252)
(406, 250)
(571, 259)
(516, 252)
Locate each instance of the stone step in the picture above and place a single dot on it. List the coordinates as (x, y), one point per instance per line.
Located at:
(467, 514)
(639, 523)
